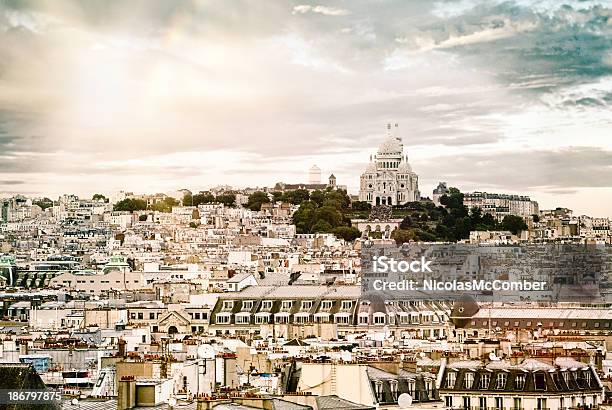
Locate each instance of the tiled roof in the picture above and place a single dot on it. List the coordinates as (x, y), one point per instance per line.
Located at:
(334, 402)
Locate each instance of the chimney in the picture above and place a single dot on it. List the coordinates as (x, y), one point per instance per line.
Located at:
(121, 344)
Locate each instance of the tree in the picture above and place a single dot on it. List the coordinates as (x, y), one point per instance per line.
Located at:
(296, 196)
(203, 198)
(361, 206)
(130, 204)
(406, 223)
(98, 197)
(256, 199)
(277, 196)
(321, 226)
(402, 236)
(348, 233)
(227, 199)
(44, 203)
(164, 205)
(318, 197)
(514, 224)
(143, 217)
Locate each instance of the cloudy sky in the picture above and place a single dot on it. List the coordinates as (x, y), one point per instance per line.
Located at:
(508, 96)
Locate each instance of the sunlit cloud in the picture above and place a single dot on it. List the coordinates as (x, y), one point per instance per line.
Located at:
(195, 94)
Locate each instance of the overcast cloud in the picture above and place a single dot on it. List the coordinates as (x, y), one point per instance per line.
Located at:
(151, 96)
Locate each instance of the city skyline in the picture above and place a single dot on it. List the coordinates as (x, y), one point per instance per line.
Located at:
(149, 97)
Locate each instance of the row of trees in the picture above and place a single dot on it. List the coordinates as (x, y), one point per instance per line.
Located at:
(451, 222)
(134, 204)
(320, 211)
(208, 198)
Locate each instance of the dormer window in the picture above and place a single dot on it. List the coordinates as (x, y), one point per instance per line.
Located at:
(566, 378)
(451, 377)
(266, 304)
(307, 304)
(247, 304)
(485, 379)
(326, 304)
(520, 382)
(393, 387)
(587, 377)
(228, 304)
(379, 389)
(540, 381)
(501, 381)
(287, 304)
(347, 304)
(469, 380)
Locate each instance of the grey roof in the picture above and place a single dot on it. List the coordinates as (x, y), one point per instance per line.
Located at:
(90, 405)
(333, 402)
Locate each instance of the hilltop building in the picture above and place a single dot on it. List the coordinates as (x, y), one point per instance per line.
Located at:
(388, 179)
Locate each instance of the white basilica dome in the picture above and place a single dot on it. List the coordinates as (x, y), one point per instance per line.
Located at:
(404, 168)
(391, 146)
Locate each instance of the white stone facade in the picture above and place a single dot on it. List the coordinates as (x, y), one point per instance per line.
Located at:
(388, 178)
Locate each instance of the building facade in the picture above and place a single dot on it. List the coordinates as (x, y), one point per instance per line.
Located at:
(388, 178)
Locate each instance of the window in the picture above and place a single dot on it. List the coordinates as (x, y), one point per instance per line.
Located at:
(587, 377)
(228, 304)
(307, 304)
(520, 381)
(451, 377)
(151, 315)
(541, 404)
(343, 320)
(485, 380)
(247, 304)
(499, 403)
(261, 319)
(501, 381)
(326, 304)
(281, 319)
(517, 403)
(363, 320)
(223, 319)
(566, 378)
(196, 315)
(482, 403)
(347, 304)
(469, 380)
(393, 388)
(379, 320)
(266, 304)
(287, 304)
(466, 403)
(242, 320)
(140, 315)
(540, 381)
(448, 401)
(379, 390)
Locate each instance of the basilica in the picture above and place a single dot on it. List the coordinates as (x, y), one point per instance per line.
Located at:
(388, 178)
